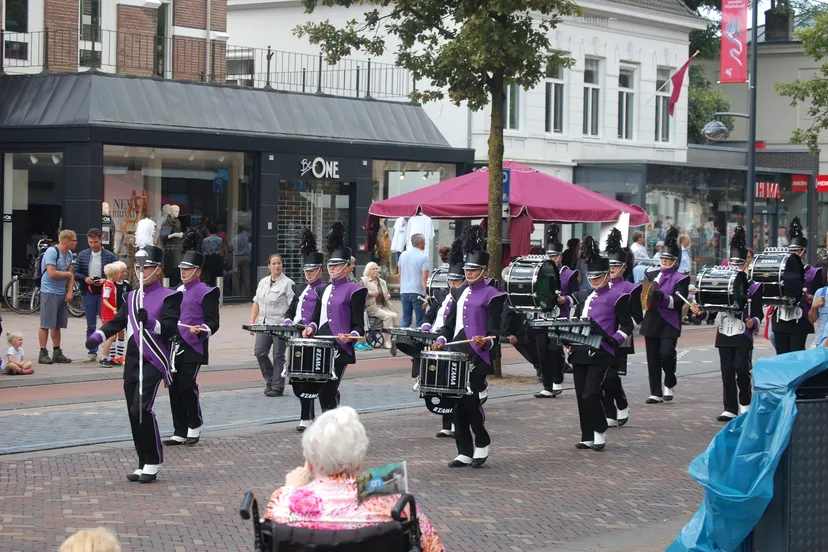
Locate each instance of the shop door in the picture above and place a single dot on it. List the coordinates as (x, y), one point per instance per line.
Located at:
(765, 230)
(315, 204)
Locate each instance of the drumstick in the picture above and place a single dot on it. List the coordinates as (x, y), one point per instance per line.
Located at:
(488, 338)
(350, 337)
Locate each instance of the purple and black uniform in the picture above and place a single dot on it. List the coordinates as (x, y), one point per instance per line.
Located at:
(306, 298)
(791, 326)
(550, 350)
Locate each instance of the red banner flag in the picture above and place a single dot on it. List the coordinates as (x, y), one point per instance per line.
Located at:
(733, 67)
(678, 79)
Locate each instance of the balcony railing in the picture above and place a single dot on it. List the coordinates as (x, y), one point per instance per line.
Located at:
(185, 58)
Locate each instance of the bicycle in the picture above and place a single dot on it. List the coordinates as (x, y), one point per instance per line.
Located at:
(22, 293)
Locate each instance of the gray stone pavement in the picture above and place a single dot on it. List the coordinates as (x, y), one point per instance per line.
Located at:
(536, 493)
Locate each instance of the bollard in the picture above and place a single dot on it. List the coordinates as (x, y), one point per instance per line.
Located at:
(15, 292)
(220, 285)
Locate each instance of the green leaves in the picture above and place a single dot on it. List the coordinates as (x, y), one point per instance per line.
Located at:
(704, 100)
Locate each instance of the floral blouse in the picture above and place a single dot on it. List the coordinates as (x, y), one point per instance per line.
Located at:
(330, 503)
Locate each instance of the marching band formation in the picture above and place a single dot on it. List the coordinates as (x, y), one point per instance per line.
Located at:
(537, 308)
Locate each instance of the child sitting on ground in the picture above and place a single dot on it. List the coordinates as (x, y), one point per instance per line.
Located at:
(14, 361)
(109, 308)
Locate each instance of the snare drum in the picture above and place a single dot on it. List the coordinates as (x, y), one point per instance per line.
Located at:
(437, 280)
(532, 283)
(310, 360)
(721, 289)
(781, 274)
(444, 373)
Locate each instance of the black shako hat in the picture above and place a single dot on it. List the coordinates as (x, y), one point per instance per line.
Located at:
(553, 241)
(192, 257)
(474, 248)
(796, 238)
(671, 249)
(311, 258)
(455, 259)
(338, 252)
(616, 253)
(597, 265)
(738, 248)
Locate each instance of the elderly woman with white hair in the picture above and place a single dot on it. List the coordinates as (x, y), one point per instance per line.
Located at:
(322, 494)
(378, 302)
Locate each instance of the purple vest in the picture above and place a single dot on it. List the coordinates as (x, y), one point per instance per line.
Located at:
(339, 310)
(476, 315)
(309, 301)
(566, 274)
(622, 285)
(667, 282)
(602, 311)
(192, 313)
(156, 351)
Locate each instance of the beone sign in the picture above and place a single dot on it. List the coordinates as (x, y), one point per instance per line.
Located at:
(320, 168)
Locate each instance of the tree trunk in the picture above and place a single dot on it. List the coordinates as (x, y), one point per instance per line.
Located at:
(494, 242)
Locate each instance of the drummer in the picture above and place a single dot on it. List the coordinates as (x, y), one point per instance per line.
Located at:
(735, 334)
(339, 313)
(614, 399)
(481, 306)
(607, 307)
(300, 312)
(438, 312)
(550, 351)
(791, 325)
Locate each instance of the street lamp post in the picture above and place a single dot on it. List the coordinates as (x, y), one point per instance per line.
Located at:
(715, 130)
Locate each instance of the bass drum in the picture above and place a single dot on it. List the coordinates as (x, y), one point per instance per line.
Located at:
(781, 274)
(437, 280)
(722, 289)
(532, 284)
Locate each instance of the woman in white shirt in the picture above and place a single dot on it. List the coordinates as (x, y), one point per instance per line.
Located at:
(273, 296)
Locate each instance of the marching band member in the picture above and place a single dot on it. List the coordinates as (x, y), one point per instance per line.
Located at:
(791, 325)
(661, 326)
(477, 318)
(734, 337)
(608, 308)
(199, 321)
(435, 318)
(306, 297)
(614, 399)
(550, 350)
(158, 317)
(339, 313)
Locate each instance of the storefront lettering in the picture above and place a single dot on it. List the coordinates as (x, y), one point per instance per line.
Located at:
(822, 183)
(768, 190)
(320, 168)
(799, 183)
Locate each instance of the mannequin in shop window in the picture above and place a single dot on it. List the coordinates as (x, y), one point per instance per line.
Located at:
(171, 236)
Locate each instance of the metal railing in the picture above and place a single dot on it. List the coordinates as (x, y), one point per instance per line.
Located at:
(184, 58)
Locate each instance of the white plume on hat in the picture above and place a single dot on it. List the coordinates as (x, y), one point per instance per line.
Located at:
(144, 233)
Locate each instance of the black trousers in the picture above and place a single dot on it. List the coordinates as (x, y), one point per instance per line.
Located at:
(184, 399)
(469, 419)
(307, 394)
(551, 355)
(145, 434)
(736, 365)
(588, 382)
(614, 398)
(661, 357)
(329, 395)
(789, 342)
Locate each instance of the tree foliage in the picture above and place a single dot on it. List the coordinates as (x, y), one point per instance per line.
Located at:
(464, 50)
(704, 100)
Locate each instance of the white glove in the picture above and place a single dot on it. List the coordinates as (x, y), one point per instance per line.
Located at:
(176, 235)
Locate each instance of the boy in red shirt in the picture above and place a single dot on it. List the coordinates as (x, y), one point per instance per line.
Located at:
(109, 308)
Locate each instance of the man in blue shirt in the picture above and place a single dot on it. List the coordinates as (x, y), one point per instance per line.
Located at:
(89, 271)
(56, 284)
(819, 315)
(684, 263)
(414, 270)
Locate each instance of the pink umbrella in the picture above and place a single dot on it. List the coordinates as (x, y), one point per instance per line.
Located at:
(545, 199)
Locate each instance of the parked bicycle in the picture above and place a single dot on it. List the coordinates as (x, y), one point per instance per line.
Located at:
(22, 292)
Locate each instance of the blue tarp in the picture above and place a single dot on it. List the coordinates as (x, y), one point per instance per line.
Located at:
(738, 467)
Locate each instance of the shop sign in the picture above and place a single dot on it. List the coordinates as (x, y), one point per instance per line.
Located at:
(7, 217)
(799, 183)
(768, 190)
(822, 183)
(320, 168)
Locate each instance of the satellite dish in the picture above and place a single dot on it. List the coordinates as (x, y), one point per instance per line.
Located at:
(716, 131)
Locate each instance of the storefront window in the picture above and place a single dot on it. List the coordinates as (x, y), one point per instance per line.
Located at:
(206, 191)
(704, 204)
(34, 198)
(394, 178)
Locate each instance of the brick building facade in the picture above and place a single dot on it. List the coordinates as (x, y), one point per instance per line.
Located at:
(167, 38)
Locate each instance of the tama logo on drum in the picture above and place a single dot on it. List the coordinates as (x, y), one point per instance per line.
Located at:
(317, 360)
(454, 370)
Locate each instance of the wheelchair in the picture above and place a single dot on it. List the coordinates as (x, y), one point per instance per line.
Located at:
(373, 334)
(399, 535)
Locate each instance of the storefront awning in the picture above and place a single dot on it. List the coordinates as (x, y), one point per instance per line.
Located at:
(102, 100)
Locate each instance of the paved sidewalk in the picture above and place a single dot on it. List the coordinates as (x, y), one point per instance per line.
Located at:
(536, 493)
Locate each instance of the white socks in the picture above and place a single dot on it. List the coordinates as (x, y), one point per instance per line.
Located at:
(151, 469)
(305, 423)
(193, 433)
(177, 439)
(668, 391)
(463, 458)
(743, 408)
(120, 348)
(557, 387)
(482, 452)
(612, 423)
(600, 439)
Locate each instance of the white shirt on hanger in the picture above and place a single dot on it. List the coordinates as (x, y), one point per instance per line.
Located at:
(398, 239)
(420, 224)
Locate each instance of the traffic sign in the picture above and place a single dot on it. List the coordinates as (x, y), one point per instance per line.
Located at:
(507, 181)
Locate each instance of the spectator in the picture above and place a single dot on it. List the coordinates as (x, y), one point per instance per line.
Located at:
(351, 274)
(818, 315)
(782, 240)
(91, 540)
(273, 297)
(224, 241)
(89, 269)
(414, 270)
(572, 254)
(56, 285)
(638, 248)
(212, 247)
(240, 246)
(443, 252)
(109, 308)
(659, 246)
(684, 263)
(14, 361)
(378, 303)
(322, 494)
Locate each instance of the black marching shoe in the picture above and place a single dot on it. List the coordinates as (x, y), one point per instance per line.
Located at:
(445, 433)
(600, 441)
(147, 478)
(173, 442)
(191, 440)
(623, 417)
(481, 454)
(460, 462)
(584, 445)
(654, 400)
(133, 477)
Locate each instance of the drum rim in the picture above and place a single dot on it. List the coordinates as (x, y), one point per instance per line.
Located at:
(734, 274)
(446, 355)
(536, 265)
(311, 341)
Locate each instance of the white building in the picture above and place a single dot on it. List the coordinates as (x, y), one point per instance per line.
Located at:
(605, 107)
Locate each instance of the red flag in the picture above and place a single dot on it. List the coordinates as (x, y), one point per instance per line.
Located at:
(678, 79)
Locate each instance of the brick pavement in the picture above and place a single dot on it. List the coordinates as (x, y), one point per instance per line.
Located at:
(536, 493)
